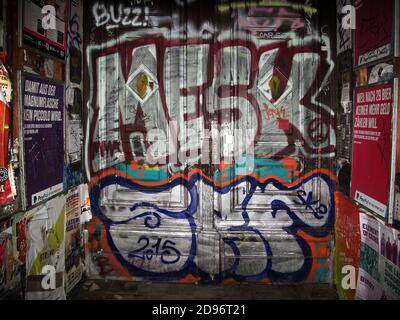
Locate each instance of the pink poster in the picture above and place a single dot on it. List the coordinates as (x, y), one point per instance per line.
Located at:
(372, 147)
(373, 36)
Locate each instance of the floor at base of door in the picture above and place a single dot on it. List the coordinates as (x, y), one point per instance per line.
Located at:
(121, 290)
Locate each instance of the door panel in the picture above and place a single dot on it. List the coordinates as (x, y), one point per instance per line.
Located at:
(209, 145)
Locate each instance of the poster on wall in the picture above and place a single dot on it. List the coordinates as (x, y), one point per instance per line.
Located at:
(344, 39)
(74, 135)
(374, 33)
(389, 261)
(4, 240)
(42, 31)
(347, 244)
(377, 73)
(43, 136)
(7, 192)
(372, 125)
(8, 263)
(368, 284)
(379, 274)
(73, 79)
(46, 252)
(73, 265)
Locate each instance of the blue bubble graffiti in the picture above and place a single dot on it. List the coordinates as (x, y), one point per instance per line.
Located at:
(170, 258)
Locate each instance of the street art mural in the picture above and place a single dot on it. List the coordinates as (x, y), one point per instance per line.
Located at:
(209, 142)
(173, 256)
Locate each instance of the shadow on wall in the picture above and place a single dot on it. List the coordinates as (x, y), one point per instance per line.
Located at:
(344, 178)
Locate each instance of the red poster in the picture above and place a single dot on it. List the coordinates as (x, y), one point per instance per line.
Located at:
(372, 147)
(6, 195)
(373, 35)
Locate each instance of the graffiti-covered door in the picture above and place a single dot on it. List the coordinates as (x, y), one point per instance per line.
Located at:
(209, 139)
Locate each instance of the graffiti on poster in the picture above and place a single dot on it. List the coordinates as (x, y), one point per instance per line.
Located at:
(43, 133)
(74, 86)
(373, 36)
(344, 36)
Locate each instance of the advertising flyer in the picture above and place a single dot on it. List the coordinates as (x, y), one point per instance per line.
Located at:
(379, 274)
(368, 284)
(43, 116)
(43, 32)
(370, 180)
(373, 36)
(73, 265)
(389, 261)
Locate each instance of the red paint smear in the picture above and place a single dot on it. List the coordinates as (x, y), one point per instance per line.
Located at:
(283, 124)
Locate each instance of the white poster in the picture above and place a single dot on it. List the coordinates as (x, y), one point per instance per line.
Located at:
(368, 284)
(343, 35)
(367, 287)
(74, 137)
(389, 262)
(379, 273)
(45, 261)
(369, 231)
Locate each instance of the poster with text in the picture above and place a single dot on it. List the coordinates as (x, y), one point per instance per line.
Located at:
(343, 38)
(389, 261)
(43, 130)
(368, 284)
(44, 31)
(373, 36)
(372, 125)
(73, 265)
(74, 88)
